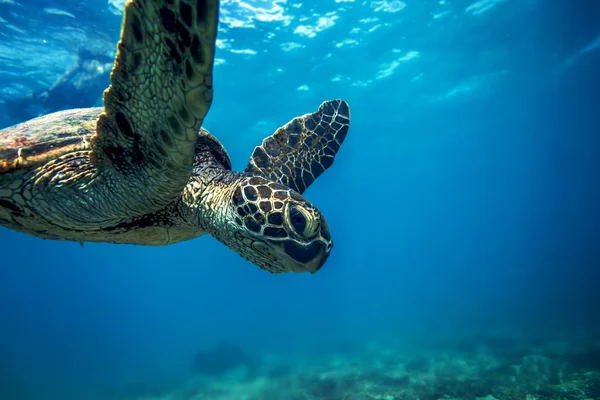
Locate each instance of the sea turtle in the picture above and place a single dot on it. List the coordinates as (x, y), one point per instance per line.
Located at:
(141, 170)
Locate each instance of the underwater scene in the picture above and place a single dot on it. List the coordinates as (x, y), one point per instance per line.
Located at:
(451, 251)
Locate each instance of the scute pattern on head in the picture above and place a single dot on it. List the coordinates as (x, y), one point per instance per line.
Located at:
(146, 176)
(282, 227)
(274, 225)
(254, 199)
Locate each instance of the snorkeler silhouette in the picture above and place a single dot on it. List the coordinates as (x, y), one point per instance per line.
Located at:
(80, 86)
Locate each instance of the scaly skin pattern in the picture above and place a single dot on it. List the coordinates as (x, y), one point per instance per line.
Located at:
(23, 192)
(24, 207)
(140, 154)
(147, 174)
(161, 90)
(300, 151)
(267, 223)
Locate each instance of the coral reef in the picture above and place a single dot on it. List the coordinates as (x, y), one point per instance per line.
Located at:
(488, 370)
(221, 358)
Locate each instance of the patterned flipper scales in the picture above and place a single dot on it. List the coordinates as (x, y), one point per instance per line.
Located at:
(161, 90)
(299, 152)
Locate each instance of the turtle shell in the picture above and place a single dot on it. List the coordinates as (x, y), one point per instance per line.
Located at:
(43, 139)
(217, 150)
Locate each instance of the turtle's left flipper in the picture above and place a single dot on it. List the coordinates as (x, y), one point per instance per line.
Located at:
(300, 151)
(161, 90)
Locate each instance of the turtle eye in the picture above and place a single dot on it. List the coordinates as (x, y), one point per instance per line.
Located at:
(297, 219)
(302, 221)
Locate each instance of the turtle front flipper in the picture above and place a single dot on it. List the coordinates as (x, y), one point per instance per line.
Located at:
(300, 151)
(161, 90)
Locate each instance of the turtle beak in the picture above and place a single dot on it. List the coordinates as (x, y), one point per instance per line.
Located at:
(326, 244)
(310, 257)
(325, 238)
(314, 266)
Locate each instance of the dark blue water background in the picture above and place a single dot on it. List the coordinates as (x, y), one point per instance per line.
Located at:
(465, 199)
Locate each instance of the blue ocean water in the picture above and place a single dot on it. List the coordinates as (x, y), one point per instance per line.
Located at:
(463, 206)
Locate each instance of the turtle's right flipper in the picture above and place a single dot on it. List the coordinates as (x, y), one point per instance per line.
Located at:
(299, 152)
(161, 90)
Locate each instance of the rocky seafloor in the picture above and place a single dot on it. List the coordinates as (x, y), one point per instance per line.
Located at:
(475, 369)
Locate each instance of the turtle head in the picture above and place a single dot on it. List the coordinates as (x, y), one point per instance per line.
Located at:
(276, 228)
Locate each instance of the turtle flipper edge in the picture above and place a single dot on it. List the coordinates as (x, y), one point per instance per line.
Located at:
(161, 90)
(300, 151)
